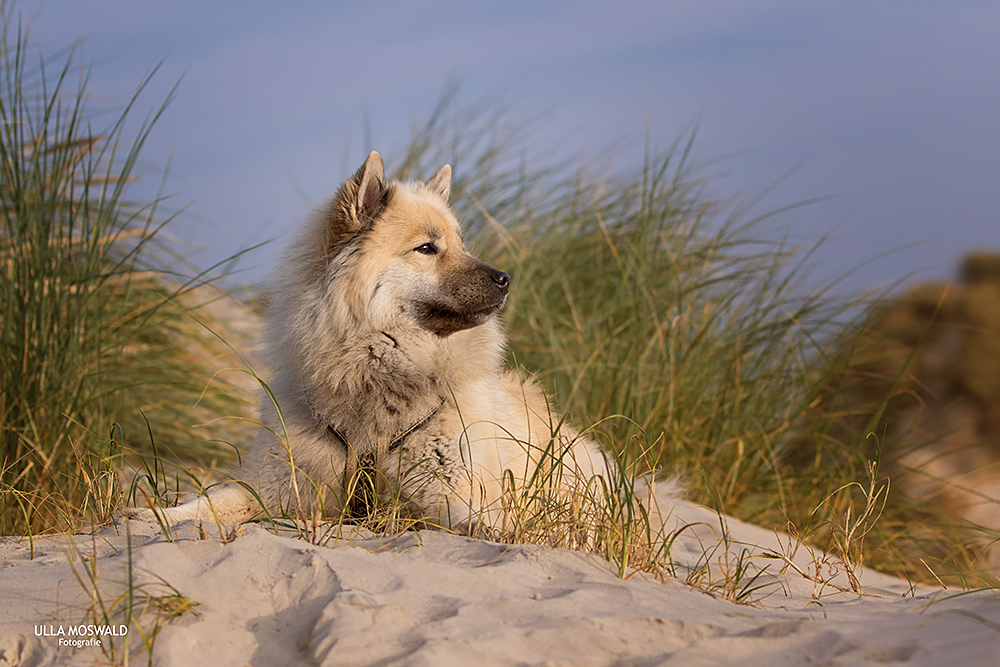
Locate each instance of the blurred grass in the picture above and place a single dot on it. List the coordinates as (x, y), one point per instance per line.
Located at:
(922, 377)
(99, 333)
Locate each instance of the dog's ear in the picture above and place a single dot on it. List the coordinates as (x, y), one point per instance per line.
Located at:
(357, 203)
(441, 183)
(370, 198)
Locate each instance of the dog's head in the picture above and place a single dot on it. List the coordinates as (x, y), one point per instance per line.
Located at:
(395, 250)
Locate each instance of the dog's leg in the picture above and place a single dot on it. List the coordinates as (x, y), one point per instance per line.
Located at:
(229, 505)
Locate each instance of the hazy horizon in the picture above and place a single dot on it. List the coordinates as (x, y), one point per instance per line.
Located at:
(888, 111)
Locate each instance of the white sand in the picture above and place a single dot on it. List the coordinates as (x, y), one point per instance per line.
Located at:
(431, 598)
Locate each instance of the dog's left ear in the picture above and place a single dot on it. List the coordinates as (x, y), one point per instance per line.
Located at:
(441, 183)
(357, 204)
(371, 190)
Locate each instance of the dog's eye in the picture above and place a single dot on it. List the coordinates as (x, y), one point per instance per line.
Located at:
(426, 249)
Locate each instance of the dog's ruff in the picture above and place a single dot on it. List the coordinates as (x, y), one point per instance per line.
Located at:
(383, 335)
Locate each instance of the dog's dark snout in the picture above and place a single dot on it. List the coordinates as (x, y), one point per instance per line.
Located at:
(501, 279)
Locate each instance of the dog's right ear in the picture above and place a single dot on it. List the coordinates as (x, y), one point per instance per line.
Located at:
(357, 204)
(441, 183)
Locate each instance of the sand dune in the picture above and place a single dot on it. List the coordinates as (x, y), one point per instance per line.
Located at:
(431, 598)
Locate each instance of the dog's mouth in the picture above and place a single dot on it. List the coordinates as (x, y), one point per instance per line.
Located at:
(443, 320)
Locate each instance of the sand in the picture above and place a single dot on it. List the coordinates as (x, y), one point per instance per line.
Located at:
(432, 598)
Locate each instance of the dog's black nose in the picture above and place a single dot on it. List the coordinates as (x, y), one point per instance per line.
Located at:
(501, 279)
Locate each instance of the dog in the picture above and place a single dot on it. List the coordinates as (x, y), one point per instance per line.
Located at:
(387, 352)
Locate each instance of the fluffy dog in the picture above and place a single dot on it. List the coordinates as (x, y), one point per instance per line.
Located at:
(388, 355)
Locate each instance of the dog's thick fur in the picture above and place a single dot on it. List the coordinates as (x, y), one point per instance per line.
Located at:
(383, 336)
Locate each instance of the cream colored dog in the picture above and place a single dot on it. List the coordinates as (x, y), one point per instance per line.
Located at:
(388, 355)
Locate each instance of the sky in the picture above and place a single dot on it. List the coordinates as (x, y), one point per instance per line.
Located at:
(887, 110)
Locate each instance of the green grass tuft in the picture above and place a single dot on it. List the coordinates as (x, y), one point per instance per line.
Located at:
(97, 332)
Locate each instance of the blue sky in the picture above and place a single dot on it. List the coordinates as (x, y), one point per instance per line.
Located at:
(888, 106)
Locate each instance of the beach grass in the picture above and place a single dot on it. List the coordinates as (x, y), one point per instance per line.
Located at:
(105, 344)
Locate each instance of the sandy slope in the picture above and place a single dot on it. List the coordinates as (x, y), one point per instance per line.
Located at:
(431, 598)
